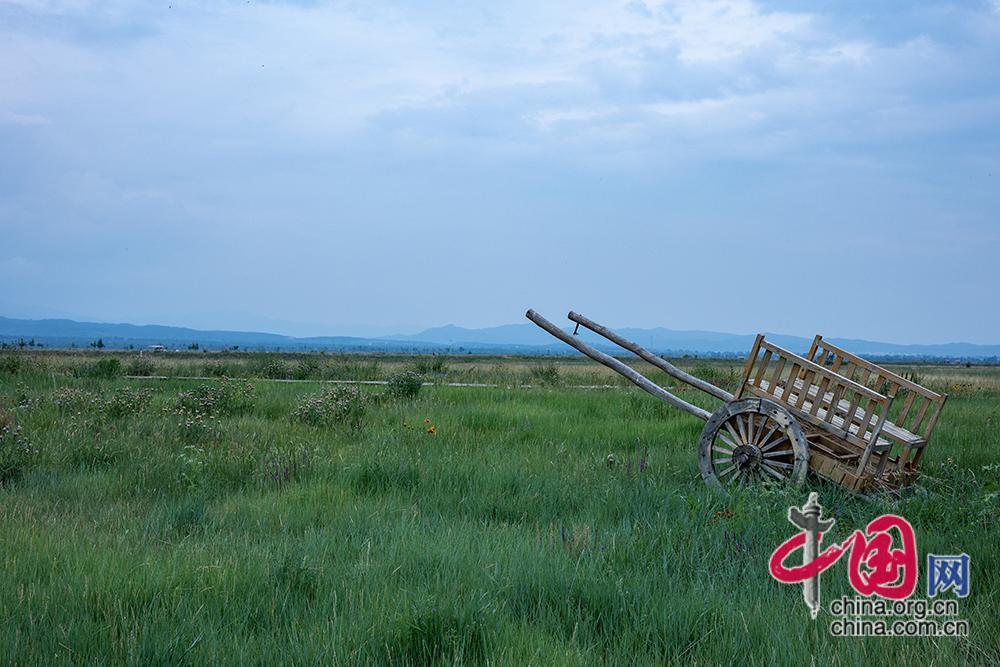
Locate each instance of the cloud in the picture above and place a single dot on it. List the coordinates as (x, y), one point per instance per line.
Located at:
(323, 139)
(727, 29)
(315, 77)
(326, 69)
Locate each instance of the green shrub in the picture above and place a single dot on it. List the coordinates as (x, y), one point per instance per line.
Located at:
(341, 404)
(71, 399)
(16, 451)
(127, 401)
(104, 369)
(141, 367)
(220, 369)
(10, 364)
(123, 401)
(434, 365)
(270, 366)
(23, 399)
(306, 369)
(195, 427)
(404, 385)
(545, 374)
(225, 397)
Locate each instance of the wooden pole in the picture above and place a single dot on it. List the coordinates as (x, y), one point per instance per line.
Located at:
(646, 355)
(631, 374)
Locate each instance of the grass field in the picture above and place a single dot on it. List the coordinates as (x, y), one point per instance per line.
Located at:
(169, 521)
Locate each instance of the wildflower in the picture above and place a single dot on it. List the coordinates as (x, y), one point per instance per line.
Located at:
(340, 404)
(432, 430)
(611, 460)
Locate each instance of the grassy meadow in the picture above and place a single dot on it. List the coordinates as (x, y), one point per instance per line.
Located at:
(162, 520)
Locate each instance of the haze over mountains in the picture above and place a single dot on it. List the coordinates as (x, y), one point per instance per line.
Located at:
(523, 338)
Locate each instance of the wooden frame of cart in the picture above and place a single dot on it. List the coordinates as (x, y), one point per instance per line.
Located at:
(832, 412)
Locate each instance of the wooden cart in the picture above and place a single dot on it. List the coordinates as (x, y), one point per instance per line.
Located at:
(846, 419)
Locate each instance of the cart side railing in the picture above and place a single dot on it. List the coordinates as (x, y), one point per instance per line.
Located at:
(920, 406)
(818, 396)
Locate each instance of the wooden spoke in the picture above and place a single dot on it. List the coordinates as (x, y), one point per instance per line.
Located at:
(722, 436)
(723, 459)
(732, 431)
(780, 452)
(771, 471)
(767, 438)
(772, 445)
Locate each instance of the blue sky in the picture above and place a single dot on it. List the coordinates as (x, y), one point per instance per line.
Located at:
(367, 168)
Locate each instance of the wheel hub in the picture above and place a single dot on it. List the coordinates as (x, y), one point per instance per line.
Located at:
(746, 456)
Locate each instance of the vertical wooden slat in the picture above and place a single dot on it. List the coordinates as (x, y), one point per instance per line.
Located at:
(814, 348)
(820, 396)
(847, 371)
(920, 415)
(838, 361)
(838, 393)
(932, 422)
(806, 383)
(762, 367)
(864, 425)
(883, 457)
(775, 380)
(893, 386)
(852, 410)
(903, 456)
(790, 383)
(907, 402)
(865, 375)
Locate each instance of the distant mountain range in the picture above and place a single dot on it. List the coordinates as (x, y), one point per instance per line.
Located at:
(523, 338)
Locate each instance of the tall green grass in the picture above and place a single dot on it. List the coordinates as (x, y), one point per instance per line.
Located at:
(503, 536)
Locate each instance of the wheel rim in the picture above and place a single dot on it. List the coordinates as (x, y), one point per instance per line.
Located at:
(752, 441)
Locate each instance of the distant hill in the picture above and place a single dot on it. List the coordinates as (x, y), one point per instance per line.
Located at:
(663, 340)
(70, 333)
(523, 338)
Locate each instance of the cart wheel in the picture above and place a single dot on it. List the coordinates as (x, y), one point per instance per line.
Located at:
(751, 440)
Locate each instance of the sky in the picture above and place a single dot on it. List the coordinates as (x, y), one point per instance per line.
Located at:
(364, 168)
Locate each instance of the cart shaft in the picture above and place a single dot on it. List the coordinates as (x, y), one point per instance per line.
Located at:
(653, 359)
(630, 374)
